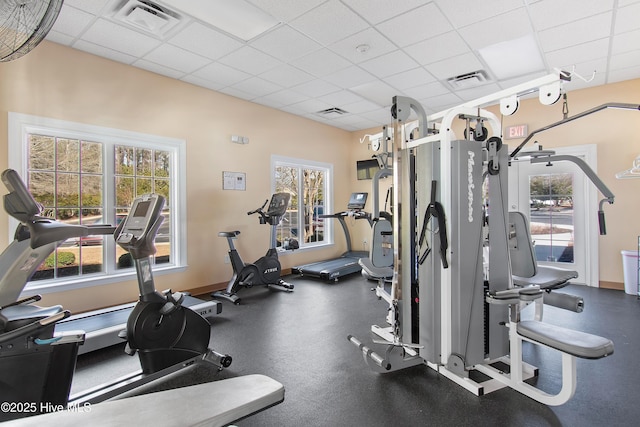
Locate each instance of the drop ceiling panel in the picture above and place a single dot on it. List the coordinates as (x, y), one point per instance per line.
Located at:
(176, 58)
(576, 32)
(414, 26)
(504, 27)
(438, 48)
(116, 37)
(286, 44)
(204, 41)
(250, 60)
(413, 47)
(375, 44)
(376, 11)
(549, 13)
(467, 12)
(321, 62)
(334, 15)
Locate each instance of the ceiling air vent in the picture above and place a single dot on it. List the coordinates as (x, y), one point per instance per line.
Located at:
(147, 16)
(468, 80)
(332, 112)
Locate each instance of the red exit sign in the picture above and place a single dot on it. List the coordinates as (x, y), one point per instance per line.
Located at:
(517, 131)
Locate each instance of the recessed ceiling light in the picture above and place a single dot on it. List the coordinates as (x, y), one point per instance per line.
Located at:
(236, 17)
(513, 58)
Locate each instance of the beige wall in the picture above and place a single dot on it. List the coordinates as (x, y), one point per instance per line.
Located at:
(617, 136)
(62, 83)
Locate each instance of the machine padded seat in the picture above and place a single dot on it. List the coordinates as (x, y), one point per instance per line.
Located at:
(547, 277)
(374, 272)
(576, 343)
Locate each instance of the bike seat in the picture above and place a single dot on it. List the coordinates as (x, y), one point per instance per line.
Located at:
(228, 233)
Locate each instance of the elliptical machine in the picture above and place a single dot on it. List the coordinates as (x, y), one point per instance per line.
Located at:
(266, 270)
(36, 363)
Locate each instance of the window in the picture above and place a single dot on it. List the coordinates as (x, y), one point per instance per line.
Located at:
(551, 213)
(309, 184)
(90, 175)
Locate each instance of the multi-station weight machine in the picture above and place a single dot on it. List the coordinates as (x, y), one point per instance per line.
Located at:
(453, 304)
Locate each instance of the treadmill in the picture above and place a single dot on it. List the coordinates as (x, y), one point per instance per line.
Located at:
(332, 269)
(102, 327)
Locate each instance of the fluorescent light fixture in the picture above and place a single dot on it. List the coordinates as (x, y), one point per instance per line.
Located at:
(236, 17)
(513, 58)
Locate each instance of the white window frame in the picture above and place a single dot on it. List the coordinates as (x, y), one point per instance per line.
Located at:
(328, 202)
(21, 125)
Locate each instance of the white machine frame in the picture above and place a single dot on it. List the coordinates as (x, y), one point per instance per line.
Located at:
(502, 294)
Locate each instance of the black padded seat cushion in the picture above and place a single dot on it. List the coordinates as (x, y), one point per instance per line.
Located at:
(576, 343)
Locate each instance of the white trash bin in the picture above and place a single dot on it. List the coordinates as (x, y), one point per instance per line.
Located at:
(630, 266)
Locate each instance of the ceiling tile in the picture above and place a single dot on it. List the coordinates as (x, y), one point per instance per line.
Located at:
(316, 88)
(250, 60)
(438, 48)
(158, 69)
(427, 90)
(467, 12)
(321, 63)
(72, 22)
(584, 30)
(625, 60)
(408, 79)
(309, 106)
(508, 26)
(628, 18)
(622, 75)
(441, 102)
(104, 52)
(377, 92)
(349, 77)
(550, 13)
(332, 14)
(176, 58)
(376, 11)
(237, 93)
(376, 42)
(282, 98)
(256, 87)
(455, 66)
(204, 41)
(286, 76)
(477, 92)
(221, 74)
(63, 39)
(579, 53)
(198, 81)
(91, 6)
(285, 43)
(416, 25)
(340, 98)
(625, 42)
(362, 106)
(116, 37)
(286, 10)
(390, 63)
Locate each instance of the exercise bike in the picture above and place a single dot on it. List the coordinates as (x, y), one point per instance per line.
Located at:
(36, 363)
(266, 270)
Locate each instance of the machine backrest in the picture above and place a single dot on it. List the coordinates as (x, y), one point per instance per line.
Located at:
(381, 253)
(523, 259)
(19, 203)
(278, 205)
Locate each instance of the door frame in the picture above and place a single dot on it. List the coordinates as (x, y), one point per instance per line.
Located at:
(588, 152)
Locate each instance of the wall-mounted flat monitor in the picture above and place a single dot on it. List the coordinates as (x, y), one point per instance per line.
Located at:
(367, 168)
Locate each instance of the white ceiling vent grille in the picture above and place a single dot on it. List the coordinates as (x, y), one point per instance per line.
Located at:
(147, 16)
(468, 80)
(332, 112)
